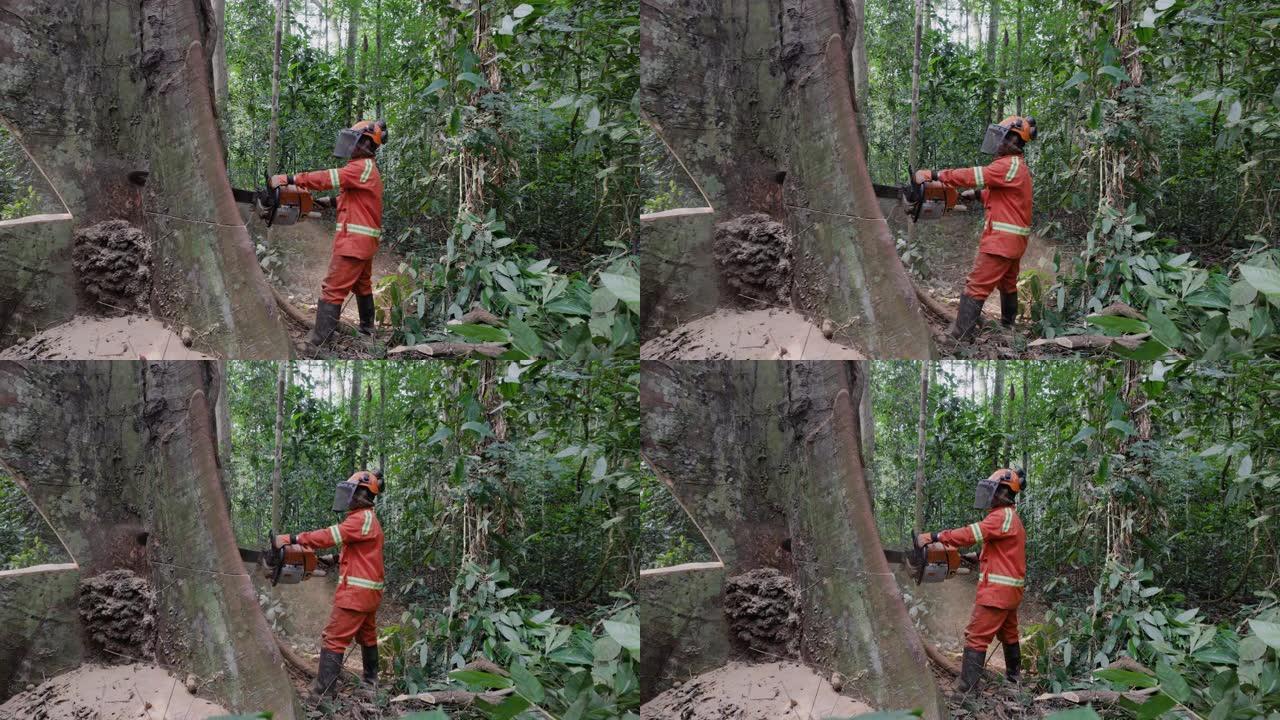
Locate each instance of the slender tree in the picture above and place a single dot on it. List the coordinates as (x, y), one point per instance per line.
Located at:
(353, 446)
(279, 452)
(993, 23)
(997, 441)
(920, 444)
(353, 26)
(273, 137)
(913, 139)
(861, 75)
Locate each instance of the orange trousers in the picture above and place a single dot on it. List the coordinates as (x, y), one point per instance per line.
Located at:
(347, 275)
(346, 624)
(987, 622)
(989, 272)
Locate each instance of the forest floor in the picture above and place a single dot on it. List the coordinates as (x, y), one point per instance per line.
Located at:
(754, 691)
(135, 691)
(729, 334)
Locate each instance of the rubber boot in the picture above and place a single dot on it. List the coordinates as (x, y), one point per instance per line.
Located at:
(1013, 662)
(364, 303)
(966, 317)
(326, 682)
(369, 656)
(1008, 308)
(972, 669)
(326, 323)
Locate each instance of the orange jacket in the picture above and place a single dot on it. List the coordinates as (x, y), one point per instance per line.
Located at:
(1006, 194)
(360, 579)
(1003, 562)
(359, 189)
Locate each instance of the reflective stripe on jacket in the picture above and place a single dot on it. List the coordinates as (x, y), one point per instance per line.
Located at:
(1006, 194)
(1003, 562)
(360, 575)
(359, 189)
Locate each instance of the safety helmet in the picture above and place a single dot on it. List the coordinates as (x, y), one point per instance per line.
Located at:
(985, 492)
(345, 492)
(345, 144)
(1024, 128)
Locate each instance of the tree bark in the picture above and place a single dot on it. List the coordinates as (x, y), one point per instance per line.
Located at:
(920, 445)
(773, 479)
(130, 481)
(913, 138)
(763, 119)
(1018, 60)
(997, 443)
(273, 132)
(381, 78)
(119, 115)
(281, 389)
(861, 73)
(220, 89)
(993, 22)
(866, 419)
(353, 25)
(353, 447)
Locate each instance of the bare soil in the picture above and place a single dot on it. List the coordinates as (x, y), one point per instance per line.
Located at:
(127, 337)
(118, 692)
(764, 691)
(726, 334)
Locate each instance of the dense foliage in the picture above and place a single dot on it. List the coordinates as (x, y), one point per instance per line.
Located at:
(1158, 124)
(512, 174)
(1151, 512)
(509, 513)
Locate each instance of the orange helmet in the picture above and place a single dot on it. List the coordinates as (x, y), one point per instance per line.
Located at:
(984, 494)
(375, 130)
(1024, 128)
(345, 492)
(345, 144)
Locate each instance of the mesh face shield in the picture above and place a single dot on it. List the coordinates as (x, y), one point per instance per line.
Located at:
(342, 495)
(984, 492)
(345, 144)
(995, 135)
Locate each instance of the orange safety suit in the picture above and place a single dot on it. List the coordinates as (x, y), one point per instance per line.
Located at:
(1006, 195)
(359, 226)
(360, 577)
(1003, 571)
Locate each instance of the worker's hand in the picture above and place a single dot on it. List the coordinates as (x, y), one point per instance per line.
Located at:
(279, 180)
(924, 539)
(282, 540)
(924, 176)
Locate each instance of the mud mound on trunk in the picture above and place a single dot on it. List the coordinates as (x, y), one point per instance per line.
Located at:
(742, 691)
(118, 612)
(113, 264)
(120, 692)
(753, 254)
(763, 607)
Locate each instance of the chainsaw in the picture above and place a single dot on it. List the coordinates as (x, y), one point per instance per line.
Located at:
(932, 563)
(284, 205)
(288, 564)
(924, 201)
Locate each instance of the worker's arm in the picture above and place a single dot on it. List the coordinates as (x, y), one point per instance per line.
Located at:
(994, 525)
(1000, 173)
(355, 528)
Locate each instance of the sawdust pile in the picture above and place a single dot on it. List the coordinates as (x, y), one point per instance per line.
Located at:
(118, 611)
(769, 334)
(118, 692)
(763, 607)
(754, 692)
(113, 265)
(128, 337)
(753, 254)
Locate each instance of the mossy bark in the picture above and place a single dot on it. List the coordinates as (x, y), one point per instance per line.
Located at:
(765, 457)
(113, 103)
(756, 100)
(120, 457)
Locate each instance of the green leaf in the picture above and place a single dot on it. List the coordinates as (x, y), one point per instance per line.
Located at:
(1162, 328)
(1205, 95)
(1118, 324)
(1121, 427)
(426, 715)
(625, 634)
(1115, 73)
(593, 118)
(625, 287)
(564, 101)
(435, 86)
(476, 80)
(1151, 349)
(1268, 632)
(509, 708)
(1076, 79)
(479, 679)
(1125, 678)
(1084, 434)
(526, 684)
(1162, 5)
(1084, 713)
(892, 715)
(479, 428)
(1266, 280)
(1158, 705)
(480, 333)
(1233, 115)
(441, 434)
(523, 337)
(1172, 682)
(522, 10)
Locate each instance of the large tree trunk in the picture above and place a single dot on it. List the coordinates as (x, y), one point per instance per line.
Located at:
(764, 457)
(861, 74)
(129, 481)
(756, 101)
(113, 103)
